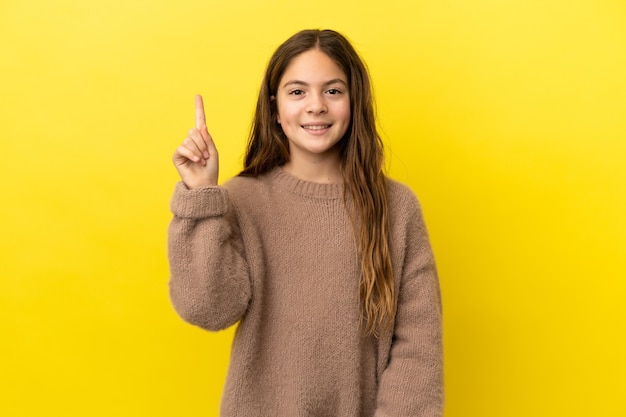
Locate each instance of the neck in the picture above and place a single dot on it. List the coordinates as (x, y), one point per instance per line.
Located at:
(321, 170)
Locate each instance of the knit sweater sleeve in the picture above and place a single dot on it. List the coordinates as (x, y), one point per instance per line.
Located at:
(209, 280)
(412, 383)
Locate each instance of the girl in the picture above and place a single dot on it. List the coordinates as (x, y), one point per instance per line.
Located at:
(323, 261)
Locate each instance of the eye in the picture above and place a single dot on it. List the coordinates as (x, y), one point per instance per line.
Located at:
(296, 92)
(334, 91)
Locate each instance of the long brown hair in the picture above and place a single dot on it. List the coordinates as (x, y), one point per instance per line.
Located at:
(361, 155)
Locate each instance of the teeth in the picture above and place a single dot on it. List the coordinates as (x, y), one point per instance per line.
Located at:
(316, 127)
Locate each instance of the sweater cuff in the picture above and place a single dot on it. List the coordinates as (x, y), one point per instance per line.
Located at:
(200, 202)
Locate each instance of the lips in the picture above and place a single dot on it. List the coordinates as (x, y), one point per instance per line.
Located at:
(316, 126)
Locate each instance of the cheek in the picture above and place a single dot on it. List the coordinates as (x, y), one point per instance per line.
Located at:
(344, 110)
(287, 115)
(282, 113)
(346, 114)
(346, 118)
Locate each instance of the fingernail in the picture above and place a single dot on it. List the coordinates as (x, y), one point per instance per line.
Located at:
(206, 155)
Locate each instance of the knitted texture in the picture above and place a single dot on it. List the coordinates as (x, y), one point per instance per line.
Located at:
(277, 255)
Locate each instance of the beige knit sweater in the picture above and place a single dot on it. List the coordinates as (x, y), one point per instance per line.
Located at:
(277, 255)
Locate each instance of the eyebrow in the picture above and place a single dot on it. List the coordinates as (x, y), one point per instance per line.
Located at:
(327, 83)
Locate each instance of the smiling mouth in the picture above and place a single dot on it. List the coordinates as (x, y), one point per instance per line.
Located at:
(316, 127)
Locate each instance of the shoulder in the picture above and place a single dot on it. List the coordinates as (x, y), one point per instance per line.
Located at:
(250, 184)
(405, 209)
(401, 198)
(244, 189)
(251, 194)
(408, 227)
(241, 184)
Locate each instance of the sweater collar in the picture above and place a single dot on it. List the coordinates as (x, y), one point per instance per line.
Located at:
(306, 188)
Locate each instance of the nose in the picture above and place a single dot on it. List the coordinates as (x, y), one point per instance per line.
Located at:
(316, 104)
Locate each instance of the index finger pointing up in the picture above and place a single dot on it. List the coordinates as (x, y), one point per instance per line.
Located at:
(200, 118)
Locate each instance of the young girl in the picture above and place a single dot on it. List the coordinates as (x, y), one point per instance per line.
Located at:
(323, 262)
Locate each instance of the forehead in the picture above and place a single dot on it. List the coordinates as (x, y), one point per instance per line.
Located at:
(312, 67)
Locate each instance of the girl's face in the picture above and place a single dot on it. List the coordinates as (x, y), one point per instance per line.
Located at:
(313, 105)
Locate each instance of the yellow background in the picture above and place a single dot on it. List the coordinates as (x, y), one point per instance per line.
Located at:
(508, 119)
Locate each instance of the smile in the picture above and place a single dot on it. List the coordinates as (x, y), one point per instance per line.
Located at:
(316, 127)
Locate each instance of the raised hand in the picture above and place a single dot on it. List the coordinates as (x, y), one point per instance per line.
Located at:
(196, 158)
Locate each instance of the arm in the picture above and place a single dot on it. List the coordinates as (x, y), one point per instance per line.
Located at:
(209, 283)
(412, 383)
